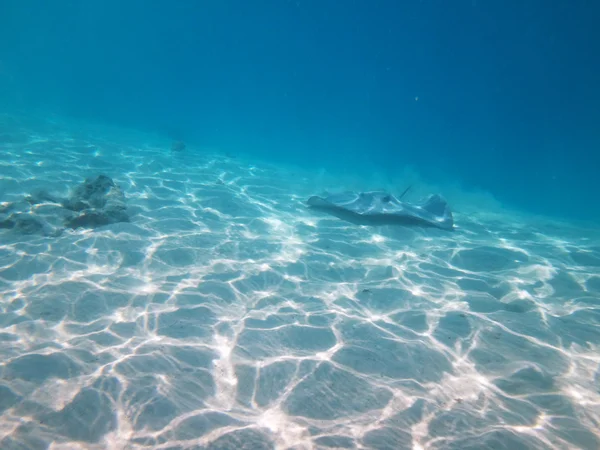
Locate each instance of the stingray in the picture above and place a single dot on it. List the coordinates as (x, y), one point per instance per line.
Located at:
(382, 208)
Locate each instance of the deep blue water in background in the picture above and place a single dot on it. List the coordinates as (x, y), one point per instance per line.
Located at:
(508, 91)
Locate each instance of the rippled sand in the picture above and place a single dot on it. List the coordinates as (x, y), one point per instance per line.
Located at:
(227, 315)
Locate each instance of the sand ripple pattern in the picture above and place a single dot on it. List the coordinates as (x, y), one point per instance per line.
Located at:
(228, 316)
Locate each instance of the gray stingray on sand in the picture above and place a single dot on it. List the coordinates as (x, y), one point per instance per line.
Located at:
(382, 208)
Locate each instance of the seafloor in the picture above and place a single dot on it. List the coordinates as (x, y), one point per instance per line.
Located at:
(227, 315)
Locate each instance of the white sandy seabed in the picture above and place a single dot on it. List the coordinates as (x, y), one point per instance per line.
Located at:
(227, 315)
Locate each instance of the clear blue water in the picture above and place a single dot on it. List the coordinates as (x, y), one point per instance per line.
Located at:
(225, 313)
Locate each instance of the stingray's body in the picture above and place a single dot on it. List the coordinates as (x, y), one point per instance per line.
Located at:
(380, 208)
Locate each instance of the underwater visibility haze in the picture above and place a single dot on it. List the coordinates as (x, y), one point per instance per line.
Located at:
(292, 224)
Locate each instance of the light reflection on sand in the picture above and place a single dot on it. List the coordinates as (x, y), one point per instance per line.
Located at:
(226, 314)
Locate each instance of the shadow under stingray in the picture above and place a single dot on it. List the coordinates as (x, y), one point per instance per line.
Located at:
(375, 220)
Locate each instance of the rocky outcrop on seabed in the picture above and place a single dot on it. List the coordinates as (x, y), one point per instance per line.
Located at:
(96, 202)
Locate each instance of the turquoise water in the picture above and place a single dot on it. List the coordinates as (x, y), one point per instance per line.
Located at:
(189, 298)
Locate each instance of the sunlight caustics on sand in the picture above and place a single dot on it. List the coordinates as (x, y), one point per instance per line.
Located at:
(228, 315)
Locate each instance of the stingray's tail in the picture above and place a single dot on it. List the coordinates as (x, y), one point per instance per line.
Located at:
(404, 193)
